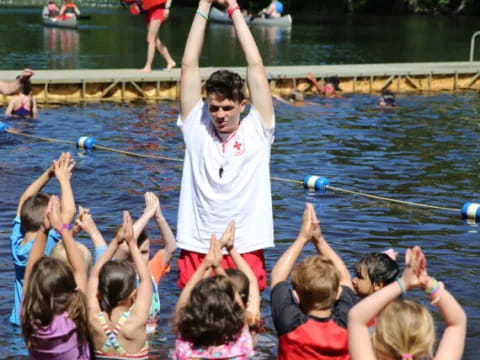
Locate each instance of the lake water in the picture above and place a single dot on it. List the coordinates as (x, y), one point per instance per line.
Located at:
(424, 151)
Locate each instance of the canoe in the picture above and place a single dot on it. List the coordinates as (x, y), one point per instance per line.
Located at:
(221, 17)
(283, 21)
(70, 23)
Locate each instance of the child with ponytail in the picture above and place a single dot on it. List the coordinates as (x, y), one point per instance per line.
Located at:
(54, 309)
(404, 328)
(118, 309)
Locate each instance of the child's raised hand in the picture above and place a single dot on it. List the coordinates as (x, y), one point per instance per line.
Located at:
(316, 231)
(86, 223)
(228, 237)
(415, 268)
(126, 232)
(306, 231)
(151, 204)
(54, 215)
(63, 167)
(214, 255)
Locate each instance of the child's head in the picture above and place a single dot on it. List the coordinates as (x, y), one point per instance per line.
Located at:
(26, 87)
(240, 282)
(404, 327)
(143, 243)
(214, 315)
(58, 252)
(116, 284)
(51, 291)
(373, 272)
(33, 211)
(316, 283)
(387, 99)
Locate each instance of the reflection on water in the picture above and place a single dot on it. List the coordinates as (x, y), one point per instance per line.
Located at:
(423, 151)
(63, 46)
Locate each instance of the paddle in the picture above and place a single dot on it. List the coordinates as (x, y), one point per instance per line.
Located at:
(84, 17)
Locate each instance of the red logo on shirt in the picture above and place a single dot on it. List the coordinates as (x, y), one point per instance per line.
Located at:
(238, 146)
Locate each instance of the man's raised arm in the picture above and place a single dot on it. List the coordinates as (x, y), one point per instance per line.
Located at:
(190, 81)
(256, 75)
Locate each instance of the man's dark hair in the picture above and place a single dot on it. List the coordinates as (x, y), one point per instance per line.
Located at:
(227, 84)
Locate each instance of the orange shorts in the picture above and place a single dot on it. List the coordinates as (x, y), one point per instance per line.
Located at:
(156, 13)
(189, 261)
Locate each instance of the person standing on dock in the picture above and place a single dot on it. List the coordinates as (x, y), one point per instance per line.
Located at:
(226, 173)
(11, 88)
(156, 13)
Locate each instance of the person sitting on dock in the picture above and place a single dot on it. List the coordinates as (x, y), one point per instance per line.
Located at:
(69, 9)
(226, 173)
(330, 85)
(11, 88)
(274, 10)
(23, 105)
(53, 10)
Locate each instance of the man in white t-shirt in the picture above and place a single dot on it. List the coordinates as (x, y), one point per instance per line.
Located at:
(226, 174)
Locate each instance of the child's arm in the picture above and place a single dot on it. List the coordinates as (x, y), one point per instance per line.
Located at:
(204, 267)
(151, 203)
(324, 248)
(35, 187)
(38, 247)
(315, 83)
(285, 264)
(87, 224)
(359, 342)
(143, 300)
(79, 268)
(34, 107)
(167, 235)
(227, 240)
(13, 87)
(10, 106)
(63, 171)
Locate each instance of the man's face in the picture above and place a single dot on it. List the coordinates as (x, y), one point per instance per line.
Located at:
(225, 113)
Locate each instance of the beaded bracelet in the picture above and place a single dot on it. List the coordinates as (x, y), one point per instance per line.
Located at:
(438, 292)
(434, 288)
(399, 281)
(202, 15)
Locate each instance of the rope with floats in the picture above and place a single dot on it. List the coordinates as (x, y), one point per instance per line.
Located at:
(321, 184)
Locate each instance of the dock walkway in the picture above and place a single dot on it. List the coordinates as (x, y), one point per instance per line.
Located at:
(131, 84)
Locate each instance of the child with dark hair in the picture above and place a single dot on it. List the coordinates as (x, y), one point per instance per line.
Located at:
(387, 99)
(23, 105)
(311, 319)
(13, 87)
(373, 272)
(54, 308)
(29, 219)
(210, 318)
(118, 309)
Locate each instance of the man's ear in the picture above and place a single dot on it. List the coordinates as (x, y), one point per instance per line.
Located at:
(243, 103)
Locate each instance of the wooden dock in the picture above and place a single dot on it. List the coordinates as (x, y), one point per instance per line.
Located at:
(71, 86)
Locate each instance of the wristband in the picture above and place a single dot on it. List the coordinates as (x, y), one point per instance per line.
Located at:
(232, 8)
(434, 288)
(202, 15)
(438, 292)
(399, 281)
(63, 227)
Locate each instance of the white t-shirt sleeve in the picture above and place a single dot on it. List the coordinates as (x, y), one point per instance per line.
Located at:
(255, 120)
(192, 121)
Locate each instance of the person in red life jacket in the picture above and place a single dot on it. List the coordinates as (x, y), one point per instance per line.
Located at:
(23, 105)
(156, 13)
(69, 9)
(311, 318)
(226, 173)
(13, 87)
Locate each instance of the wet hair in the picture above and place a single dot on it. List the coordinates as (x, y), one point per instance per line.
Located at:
(116, 281)
(240, 282)
(33, 211)
(335, 81)
(316, 281)
(226, 84)
(59, 252)
(212, 316)
(26, 87)
(381, 269)
(404, 327)
(388, 98)
(51, 291)
(295, 96)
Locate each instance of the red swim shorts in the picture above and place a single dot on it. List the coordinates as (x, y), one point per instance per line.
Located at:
(156, 13)
(188, 262)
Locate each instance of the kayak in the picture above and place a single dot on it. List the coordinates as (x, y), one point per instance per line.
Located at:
(285, 20)
(69, 23)
(221, 17)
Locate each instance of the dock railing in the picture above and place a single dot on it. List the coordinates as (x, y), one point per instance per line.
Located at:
(472, 44)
